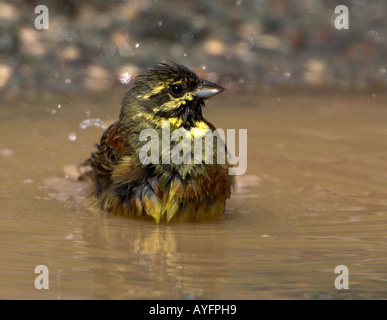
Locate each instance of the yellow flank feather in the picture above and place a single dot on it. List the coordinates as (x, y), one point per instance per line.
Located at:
(171, 209)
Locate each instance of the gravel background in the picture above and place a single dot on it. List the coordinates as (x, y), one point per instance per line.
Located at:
(245, 45)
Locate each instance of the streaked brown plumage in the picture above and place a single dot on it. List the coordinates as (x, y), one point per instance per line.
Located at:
(125, 186)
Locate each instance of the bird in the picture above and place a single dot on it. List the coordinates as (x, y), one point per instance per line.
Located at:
(166, 95)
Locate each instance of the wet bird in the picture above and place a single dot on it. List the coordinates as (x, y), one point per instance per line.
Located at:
(124, 184)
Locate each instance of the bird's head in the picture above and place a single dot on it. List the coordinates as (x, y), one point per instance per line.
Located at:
(168, 91)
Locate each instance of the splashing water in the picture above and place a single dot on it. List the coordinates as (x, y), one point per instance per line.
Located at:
(125, 78)
(72, 136)
(93, 122)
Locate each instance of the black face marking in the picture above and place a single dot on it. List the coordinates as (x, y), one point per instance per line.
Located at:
(192, 85)
(189, 113)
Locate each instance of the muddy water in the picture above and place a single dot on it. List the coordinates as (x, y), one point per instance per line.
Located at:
(314, 197)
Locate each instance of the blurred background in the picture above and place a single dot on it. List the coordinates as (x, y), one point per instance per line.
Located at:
(251, 45)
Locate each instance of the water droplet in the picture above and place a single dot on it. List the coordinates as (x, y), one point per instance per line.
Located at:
(59, 106)
(184, 54)
(125, 78)
(92, 122)
(204, 67)
(160, 23)
(53, 111)
(72, 136)
(137, 45)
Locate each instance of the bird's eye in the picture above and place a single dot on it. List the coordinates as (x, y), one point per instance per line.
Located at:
(177, 90)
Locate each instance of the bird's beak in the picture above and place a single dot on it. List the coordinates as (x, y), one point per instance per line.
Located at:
(207, 89)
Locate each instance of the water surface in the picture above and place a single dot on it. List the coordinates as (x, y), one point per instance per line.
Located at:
(314, 196)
